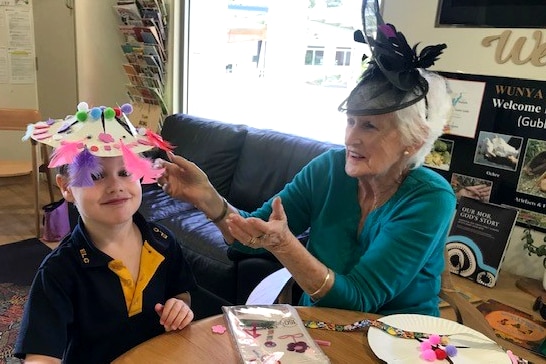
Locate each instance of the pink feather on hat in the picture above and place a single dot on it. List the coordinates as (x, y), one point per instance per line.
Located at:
(64, 154)
(139, 167)
(157, 141)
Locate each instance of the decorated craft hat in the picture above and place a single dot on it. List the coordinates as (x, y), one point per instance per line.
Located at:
(80, 139)
(392, 80)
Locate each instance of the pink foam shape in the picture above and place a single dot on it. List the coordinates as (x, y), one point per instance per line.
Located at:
(42, 136)
(106, 138)
(219, 329)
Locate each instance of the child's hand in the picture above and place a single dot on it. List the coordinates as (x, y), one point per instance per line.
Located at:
(174, 315)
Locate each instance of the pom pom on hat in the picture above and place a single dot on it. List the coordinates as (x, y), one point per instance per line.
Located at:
(83, 106)
(95, 113)
(451, 350)
(81, 115)
(127, 108)
(425, 345)
(434, 339)
(440, 354)
(428, 355)
(109, 113)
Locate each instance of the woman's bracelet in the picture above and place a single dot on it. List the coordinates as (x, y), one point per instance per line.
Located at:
(222, 215)
(323, 284)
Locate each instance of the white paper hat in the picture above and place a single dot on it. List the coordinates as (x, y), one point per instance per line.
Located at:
(99, 132)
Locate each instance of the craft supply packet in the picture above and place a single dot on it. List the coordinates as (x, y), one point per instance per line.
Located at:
(271, 334)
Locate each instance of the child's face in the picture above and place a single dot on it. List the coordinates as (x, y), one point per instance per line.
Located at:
(112, 200)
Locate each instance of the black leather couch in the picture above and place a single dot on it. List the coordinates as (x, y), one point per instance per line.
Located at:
(247, 166)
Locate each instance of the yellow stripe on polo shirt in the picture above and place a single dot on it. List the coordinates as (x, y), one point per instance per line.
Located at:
(150, 260)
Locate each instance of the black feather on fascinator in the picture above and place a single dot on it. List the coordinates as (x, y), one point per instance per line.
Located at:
(392, 80)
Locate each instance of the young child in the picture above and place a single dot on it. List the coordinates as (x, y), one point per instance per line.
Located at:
(116, 280)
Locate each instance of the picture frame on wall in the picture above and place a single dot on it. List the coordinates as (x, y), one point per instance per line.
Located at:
(491, 13)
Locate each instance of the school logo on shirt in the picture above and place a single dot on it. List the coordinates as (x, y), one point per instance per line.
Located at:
(161, 233)
(83, 254)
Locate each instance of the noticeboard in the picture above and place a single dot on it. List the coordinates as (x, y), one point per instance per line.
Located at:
(494, 148)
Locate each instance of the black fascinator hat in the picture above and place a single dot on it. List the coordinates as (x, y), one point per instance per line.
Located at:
(392, 80)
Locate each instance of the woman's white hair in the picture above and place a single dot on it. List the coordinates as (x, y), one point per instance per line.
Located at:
(423, 122)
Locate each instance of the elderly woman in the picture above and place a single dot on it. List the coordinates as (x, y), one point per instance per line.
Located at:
(378, 219)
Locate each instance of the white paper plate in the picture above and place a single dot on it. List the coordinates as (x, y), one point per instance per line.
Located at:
(395, 350)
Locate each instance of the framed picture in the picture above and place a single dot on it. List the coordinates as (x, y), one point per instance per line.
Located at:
(492, 13)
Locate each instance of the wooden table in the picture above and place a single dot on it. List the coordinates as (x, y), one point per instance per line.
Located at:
(197, 343)
(505, 291)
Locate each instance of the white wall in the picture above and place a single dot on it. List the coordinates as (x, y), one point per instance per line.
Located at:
(101, 80)
(465, 53)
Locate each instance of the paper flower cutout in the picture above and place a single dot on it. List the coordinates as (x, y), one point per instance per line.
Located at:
(219, 329)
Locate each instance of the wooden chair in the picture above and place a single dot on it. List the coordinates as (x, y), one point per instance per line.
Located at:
(17, 120)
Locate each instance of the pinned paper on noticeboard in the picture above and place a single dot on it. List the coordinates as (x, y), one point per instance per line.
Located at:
(146, 116)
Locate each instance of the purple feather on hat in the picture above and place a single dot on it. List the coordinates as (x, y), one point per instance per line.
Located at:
(83, 168)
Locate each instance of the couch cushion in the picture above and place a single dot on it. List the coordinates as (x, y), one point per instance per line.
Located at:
(206, 251)
(268, 161)
(201, 240)
(212, 145)
(157, 205)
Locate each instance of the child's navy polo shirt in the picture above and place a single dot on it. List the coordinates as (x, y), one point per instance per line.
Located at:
(77, 309)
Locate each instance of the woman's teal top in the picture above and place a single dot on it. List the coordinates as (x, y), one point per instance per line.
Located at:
(394, 264)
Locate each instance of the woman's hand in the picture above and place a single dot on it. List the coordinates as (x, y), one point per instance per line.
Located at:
(184, 180)
(174, 315)
(273, 235)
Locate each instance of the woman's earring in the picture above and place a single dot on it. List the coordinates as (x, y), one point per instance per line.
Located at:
(406, 152)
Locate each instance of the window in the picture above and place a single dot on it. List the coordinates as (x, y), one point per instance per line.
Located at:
(343, 57)
(276, 64)
(314, 56)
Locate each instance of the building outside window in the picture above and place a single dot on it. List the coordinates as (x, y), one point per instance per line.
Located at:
(276, 64)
